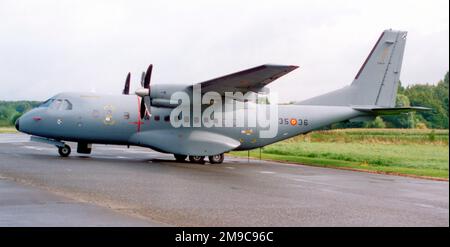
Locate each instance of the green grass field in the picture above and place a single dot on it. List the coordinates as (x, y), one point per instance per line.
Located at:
(397, 151)
(7, 130)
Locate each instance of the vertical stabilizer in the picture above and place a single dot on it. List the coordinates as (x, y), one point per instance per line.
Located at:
(376, 81)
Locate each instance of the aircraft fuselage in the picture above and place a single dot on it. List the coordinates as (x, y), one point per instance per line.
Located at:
(115, 119)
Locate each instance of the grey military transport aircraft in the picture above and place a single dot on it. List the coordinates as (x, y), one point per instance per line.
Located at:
(146, 118)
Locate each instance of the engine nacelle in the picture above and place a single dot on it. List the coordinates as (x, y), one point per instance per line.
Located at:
(159, 102)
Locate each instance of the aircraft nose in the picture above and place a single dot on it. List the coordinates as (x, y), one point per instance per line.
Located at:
(17, 125)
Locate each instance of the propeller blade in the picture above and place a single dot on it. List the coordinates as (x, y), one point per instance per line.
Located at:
(142, 78)
(126, 89)
(147, 103)
(142, 110)
(148, 76)
(145, 97)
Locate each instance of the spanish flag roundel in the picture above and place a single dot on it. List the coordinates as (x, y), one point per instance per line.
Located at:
(293, 121)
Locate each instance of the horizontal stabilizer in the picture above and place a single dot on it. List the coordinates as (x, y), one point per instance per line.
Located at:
(390, 111)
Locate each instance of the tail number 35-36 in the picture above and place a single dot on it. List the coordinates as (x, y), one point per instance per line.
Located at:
(293, 121)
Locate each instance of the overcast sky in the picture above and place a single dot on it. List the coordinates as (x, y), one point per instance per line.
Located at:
(51, 46)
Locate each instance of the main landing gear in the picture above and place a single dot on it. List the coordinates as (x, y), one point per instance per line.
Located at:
(197, 159)
(214, 159)
(180, 157)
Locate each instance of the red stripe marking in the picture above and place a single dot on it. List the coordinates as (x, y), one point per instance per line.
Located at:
(139, 122)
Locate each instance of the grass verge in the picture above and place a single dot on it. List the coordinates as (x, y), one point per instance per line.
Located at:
(7, 130)
(419, 153)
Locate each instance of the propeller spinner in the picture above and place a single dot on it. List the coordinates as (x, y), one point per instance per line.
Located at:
(144, 92)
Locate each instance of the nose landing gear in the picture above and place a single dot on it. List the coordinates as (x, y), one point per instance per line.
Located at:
(64, 151)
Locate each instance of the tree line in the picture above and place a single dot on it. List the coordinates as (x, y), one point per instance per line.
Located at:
(12, 110)
(427, 95)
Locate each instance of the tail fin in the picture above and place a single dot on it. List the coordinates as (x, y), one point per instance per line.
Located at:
(377, 80)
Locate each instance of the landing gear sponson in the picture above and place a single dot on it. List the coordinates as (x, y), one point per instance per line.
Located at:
(64, 150)
(214, 159)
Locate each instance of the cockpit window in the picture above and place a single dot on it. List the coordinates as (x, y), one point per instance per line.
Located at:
(60, 104)
(56, 104)
(66, 105)
(46, 103)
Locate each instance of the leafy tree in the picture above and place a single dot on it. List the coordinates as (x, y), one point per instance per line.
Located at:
(377, 123)
(429, 96)
(15, 117)
(11, 110)
(407, 120)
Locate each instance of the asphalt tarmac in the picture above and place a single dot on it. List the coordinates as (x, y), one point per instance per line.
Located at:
(117, 186)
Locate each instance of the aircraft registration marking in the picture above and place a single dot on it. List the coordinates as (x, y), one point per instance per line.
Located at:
(293, 121)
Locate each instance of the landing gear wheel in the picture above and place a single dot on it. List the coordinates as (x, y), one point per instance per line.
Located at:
(64, 151)
(197, 159)
(180, 157)
(216, 159)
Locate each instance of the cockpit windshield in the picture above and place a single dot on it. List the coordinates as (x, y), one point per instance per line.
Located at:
(57, 104)
(46, 103)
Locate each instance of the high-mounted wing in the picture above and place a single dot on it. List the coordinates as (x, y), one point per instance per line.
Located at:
(253, 79)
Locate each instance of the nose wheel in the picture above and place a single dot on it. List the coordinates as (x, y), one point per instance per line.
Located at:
(64, 151)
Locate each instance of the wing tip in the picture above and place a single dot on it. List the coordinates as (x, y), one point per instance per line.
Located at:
(288, 68)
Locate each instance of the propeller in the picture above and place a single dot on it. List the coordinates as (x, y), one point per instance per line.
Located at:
(142, 78)
(144, 92)
(126, 89)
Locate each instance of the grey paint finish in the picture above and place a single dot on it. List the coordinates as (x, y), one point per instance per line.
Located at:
(83, 124)
(115, 119)
(235, 193)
